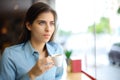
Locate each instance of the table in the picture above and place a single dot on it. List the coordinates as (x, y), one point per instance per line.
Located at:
(77, 76)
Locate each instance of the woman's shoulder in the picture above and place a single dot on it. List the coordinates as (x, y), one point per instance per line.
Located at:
(11, 51)
(14, 47)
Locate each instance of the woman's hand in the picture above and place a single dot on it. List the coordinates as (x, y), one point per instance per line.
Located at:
(41, 66)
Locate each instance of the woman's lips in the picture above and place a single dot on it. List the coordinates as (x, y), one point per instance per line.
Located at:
(46, 35)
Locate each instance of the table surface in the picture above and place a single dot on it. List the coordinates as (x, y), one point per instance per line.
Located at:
(77, 76)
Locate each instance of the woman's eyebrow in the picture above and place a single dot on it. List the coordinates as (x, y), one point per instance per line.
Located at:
(45, 21)
(40, 20)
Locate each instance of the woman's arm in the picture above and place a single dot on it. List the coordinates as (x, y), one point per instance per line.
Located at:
(7, 68)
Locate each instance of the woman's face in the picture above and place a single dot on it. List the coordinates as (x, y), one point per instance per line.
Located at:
(42, 28)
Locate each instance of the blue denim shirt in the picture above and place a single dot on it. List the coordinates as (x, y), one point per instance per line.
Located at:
(17, 61)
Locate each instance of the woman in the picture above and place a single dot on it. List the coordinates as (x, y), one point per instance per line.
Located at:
(30, 58)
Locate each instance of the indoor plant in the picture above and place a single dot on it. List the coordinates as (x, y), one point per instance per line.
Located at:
(68, 54)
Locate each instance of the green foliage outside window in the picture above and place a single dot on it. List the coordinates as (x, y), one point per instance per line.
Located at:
(64, 33)
(118, 11)
(102, 27)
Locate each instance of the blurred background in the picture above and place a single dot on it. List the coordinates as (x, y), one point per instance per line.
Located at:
(86, 28)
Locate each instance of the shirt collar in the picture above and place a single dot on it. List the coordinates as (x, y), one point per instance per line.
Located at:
(50, 48)
(29, 48)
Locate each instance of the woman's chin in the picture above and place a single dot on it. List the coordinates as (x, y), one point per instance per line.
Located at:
(46, 40)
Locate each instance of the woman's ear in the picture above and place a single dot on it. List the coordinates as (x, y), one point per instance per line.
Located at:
(28, 26)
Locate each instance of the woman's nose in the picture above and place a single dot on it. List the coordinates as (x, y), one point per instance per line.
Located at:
(47, 28)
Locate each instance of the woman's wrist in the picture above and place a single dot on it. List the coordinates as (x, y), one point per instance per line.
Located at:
(32, 76)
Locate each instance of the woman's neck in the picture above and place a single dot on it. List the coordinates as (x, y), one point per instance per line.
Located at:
(40, 47)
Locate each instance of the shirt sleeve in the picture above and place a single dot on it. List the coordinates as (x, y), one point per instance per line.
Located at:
(7, 68)
(25, 77)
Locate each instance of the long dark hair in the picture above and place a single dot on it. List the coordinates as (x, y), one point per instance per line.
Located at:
(31, 15)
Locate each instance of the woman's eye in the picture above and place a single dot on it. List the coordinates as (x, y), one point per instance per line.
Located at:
(42, 22)
(52, 23)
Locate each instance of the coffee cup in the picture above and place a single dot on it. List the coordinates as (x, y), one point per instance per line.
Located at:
(58, 59)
